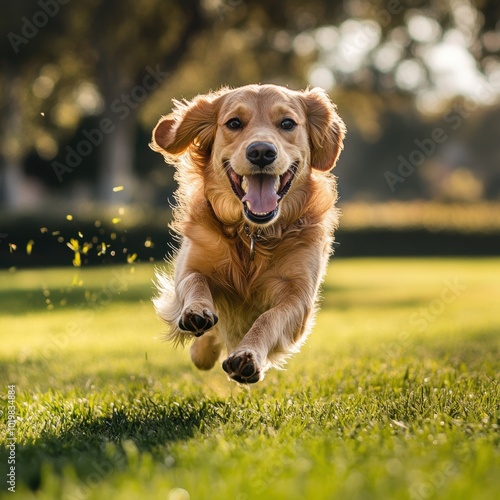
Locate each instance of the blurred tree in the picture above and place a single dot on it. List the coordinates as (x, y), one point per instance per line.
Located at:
(101, 58)
(395, 68)
(129, 48)
(18, 66)
(105, 58)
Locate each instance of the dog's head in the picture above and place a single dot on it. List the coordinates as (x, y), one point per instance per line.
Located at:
(253, 145)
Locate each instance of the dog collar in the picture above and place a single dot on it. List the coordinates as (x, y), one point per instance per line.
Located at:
(255, 235)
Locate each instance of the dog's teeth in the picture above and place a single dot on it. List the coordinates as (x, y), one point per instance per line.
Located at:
(248, 204)
(244, 184)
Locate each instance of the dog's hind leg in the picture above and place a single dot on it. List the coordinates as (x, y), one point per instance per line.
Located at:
(205, 351)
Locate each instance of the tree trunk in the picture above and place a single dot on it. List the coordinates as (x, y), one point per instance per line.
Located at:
(117, 160)
(13, 196)
(13, 192)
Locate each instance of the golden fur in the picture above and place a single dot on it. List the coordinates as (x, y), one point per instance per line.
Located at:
(259, 310)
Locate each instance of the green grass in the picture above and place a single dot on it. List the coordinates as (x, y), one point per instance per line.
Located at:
(395, 394)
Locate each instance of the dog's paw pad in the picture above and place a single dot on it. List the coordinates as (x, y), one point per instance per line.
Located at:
(248, 370)
(192, 321)
(242, 368)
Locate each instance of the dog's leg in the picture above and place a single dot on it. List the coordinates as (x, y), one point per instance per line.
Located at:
(275, 333)
(205, 351)
(186, 306)
(198, 309)
(281, 330)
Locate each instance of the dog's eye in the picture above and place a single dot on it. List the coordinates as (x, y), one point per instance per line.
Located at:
(288, 124)
(234, 124)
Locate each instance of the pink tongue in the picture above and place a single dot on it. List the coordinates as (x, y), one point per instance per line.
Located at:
(261, 194)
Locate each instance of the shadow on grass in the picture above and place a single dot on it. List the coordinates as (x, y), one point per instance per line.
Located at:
(95, 446)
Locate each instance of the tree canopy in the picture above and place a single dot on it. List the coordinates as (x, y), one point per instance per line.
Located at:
(79, 79)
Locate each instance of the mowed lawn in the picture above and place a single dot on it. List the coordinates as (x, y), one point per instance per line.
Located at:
(395, 395)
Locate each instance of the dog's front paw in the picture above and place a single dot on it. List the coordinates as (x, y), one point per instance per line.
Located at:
(242, 368)
(197, 322)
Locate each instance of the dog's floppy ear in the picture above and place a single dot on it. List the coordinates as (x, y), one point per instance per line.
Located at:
(190, 123)
(326, 129)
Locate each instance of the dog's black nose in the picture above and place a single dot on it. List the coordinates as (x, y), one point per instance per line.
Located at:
(261, 153)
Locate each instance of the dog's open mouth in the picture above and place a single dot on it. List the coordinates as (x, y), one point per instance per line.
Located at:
(261, 193)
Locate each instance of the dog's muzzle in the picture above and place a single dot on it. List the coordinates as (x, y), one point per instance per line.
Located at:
(261, 193)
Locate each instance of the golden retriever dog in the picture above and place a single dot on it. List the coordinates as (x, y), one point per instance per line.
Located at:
(256, 215)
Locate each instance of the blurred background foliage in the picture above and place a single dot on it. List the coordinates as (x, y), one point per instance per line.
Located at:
(83, 83)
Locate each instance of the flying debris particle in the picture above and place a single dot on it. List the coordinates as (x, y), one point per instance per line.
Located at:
(115, 220)
(42, 113)
(97, 223)
(102, 251)
(113, 236)
(86, 247)
(29, 246)
(131, 258)
(118, 188)
(69, 217)
(12, 247)
(399, 424)
(80, 234)
(148, 243)
(121, 210)
(75, 246)
(44, 230)
(77, 261)
(56, 233)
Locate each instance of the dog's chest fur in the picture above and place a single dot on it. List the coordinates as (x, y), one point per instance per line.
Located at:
(230, 270)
